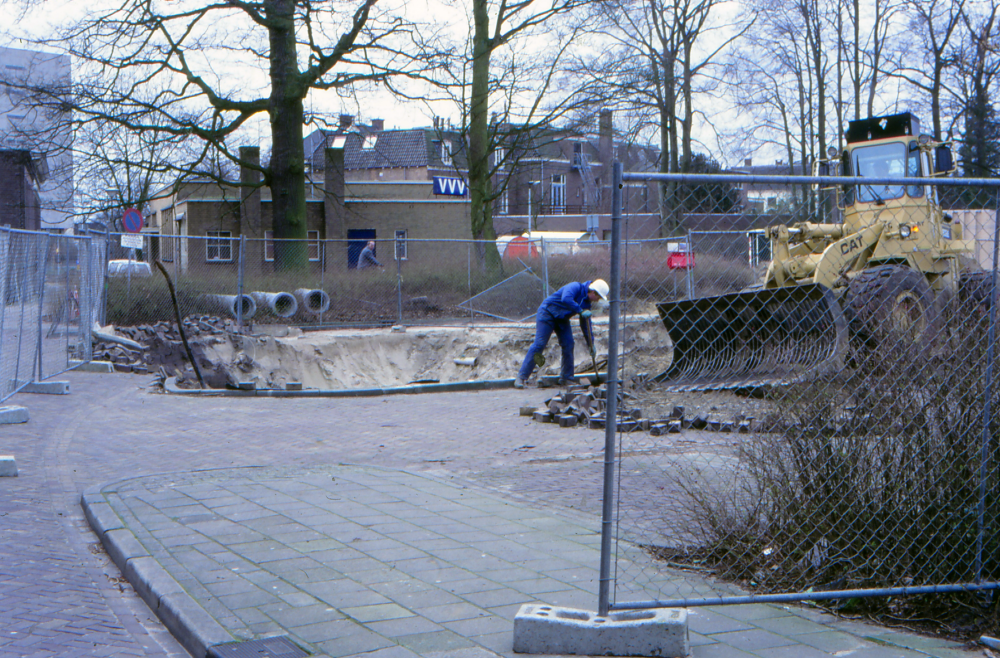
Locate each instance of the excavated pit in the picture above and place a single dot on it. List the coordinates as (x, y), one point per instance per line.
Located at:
(364, 358)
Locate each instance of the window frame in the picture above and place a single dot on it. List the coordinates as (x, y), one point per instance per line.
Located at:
(312, 243)
(557, 192)
(219, 240)
(397, 242)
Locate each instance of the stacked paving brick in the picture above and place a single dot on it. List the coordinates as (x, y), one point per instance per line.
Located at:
(587, 405)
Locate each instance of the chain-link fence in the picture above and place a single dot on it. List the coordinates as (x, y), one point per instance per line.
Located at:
(822, 426)
(432, 282)
(50, 288)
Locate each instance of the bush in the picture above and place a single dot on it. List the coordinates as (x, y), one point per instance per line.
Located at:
(874, 480)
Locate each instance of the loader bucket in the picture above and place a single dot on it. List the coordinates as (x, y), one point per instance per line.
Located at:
(772, 336)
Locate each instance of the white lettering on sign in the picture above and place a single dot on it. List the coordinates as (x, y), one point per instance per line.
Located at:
(449, 186)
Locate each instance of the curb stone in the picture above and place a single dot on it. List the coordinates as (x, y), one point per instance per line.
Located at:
(193, 627)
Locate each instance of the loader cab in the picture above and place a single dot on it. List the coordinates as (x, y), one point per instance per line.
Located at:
(885, 147)
(888, 160)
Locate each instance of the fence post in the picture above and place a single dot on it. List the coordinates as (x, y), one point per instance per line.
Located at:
(611, 409)
(689, 271)
(5, 259)
(239, 285)
(41, 305)
(104, 278)
(987, 412)
(399, 280)
(88, 297)
(545, 267)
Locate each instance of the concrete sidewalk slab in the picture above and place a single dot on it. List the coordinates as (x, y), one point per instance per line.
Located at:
(349, 560)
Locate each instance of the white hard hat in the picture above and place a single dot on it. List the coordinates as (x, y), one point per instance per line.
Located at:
(600, 287)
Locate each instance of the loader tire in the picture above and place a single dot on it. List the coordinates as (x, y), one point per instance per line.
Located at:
(974, 291)
(892, 307)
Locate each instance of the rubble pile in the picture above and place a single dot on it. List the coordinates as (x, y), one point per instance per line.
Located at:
(587, 406)
(160, 346)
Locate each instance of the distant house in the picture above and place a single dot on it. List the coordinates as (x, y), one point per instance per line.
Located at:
(374, 154)
(766, 197)
(548, 178)
(560, 180)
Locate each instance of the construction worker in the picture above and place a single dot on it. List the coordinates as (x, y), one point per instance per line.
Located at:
(554, 315)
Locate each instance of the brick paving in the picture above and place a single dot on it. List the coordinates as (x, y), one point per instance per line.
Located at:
(60, 595)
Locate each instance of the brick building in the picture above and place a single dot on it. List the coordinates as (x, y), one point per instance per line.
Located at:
(547, 179)
(20, 176)
(197, 227)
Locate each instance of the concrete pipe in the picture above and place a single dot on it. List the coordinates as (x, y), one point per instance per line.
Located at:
(313, 301)
(281, 304)
(228, 303)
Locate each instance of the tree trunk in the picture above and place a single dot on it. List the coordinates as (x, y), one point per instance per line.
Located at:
(286, 172)
(479, 140)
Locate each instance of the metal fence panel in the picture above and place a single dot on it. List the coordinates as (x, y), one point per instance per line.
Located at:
(833, 436)
(48, 290)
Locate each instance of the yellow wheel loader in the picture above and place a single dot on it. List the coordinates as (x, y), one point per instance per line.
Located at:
(885, 273)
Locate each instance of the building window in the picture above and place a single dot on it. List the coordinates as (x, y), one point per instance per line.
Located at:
(369, 141)
(219, 247)
(400, 245)
(502, 207)
(446, 152)
(498, 156)
(558, 192)
(166, 247)
(312, 245)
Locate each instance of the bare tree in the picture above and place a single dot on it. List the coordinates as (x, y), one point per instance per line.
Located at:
(202, 71)
(497, 27)
(980, 65)
(657, 69)
(925, 62)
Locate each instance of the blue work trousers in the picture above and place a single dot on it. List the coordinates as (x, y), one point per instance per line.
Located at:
(545, 324)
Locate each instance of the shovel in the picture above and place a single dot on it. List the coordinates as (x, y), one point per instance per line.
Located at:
(597, 375)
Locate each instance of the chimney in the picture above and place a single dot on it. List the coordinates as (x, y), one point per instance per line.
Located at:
(748, 162)
(333, 195)
(378, 124)
(345, 121)
(606, 137)
(250, 191)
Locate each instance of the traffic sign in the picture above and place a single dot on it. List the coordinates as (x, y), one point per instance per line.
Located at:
(132, 221)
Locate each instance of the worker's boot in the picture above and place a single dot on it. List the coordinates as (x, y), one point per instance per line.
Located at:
(518, 382)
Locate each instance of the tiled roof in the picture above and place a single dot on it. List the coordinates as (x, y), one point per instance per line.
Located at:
(385, 149)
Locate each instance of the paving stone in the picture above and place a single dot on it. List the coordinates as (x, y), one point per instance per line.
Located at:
(111, 429)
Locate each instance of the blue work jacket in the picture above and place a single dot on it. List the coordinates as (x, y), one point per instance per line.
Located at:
(568, 300)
